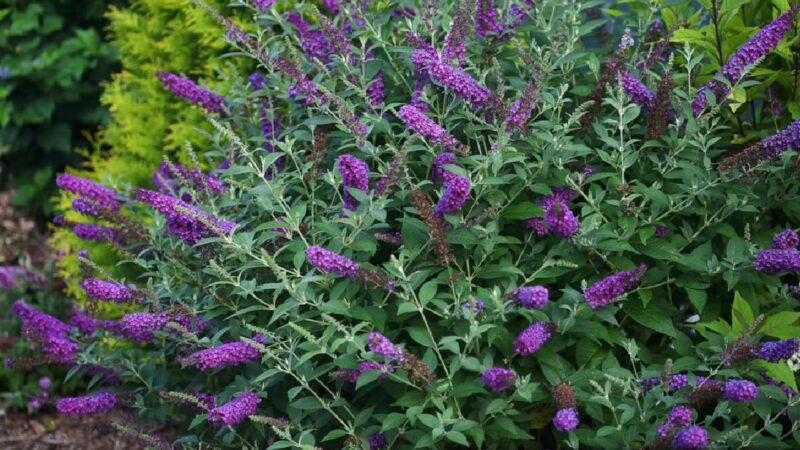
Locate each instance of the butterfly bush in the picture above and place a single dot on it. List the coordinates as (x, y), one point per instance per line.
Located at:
(564, 248)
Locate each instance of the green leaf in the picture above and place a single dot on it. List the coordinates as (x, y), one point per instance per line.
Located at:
(457, 437)
(522, 211)
(780, 372)
(783, 325)
(428, 291)
(334, 434)
(698, 297)
(653, 317)
(742, 314)
(419, 335)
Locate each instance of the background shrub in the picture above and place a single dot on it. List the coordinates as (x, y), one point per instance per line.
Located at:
(53, 59)
(424, 245)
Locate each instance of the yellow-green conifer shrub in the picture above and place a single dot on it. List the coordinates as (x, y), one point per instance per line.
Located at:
(148, 122)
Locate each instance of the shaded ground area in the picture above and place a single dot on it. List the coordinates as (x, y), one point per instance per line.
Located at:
(51, 432)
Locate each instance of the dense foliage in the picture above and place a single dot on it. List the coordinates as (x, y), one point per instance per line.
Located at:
(53, 59)
(147, 124)
(467, 225)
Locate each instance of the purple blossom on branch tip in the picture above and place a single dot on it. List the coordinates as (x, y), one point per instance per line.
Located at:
(499, 379)
(534, 297)
(187, 89)
(786, 239)
(355, 174)
(263, 5)
(439, 173)
(740, 391)
(690, 438)
(90, 404)
(378, 441)
(382, 346)
(184, 221)
(141, 327)
(96, 233)
(235, 411)
(778, 350)
(612, 287)
(229, 354)
(748, 54)
(418, 122)
(533, 338)
(558, 218)
(93, 193)
(170, 177)
(328, 261)
(456, 193)
(97, 289)
(566, 420)
(777, 261)
(47, 332)
(680, 416)
(462, 85)
(637, 91)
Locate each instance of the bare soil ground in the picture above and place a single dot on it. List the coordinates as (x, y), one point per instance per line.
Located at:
(56, 432)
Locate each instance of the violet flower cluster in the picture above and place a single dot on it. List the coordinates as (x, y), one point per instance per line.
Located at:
(141, 327)
(378, 441)
(750, 53)
(610, 288)
(10, 277)
(535, 297)
(786, 239)
(676, 382)
(49, 333)
(566, 420)
(94, 197)
(382, 346)
(637, 91)
(533, 338)
(558, 218)
(235, 411)
(355, 175)
(456, 193)
(102, 290)
(418, 122)
(96, 233)
(777, 261)
(190, 225)
(187, 89)
(740, 391)
(90, 404)
(330, 262)
(778, 350)
(499, 379)
(680, 416)
(690, 438)
(439, 174)
(226, 355)
(314, 43)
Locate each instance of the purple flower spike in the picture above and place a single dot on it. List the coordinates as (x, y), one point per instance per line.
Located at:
(141, 327)
(566, 420)
(378, 441)
(637, 91)
(93, 193)
(750, 53)
(49, 333)
(680, 416)
(90, 404)
(97, 289)
(327, 261)
(187, 89)
(777, 261)
(462, 85)
(382, 346)
(610, 288)
(97, 233)
(263, 5)
(355, 174)
(190, 225)
(558, 218)
(226, 355)
(786, 240)
(740, 391)
(456, 193)
(420, 123)
(691, 438)
(779, 350)
(486, 19)
(533, 338)
(439, 173)
(499, 379)
(535, 297)
(235, 411)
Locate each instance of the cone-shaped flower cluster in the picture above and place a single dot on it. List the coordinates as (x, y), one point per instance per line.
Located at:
(558, 218)
(418, 122)
(535, 297)
(499, 379)
(225, 355)
(187, 89)
(637, 91)
(690, 438)
(330, 262)
(610, 288)
(94, 197)
(355, 175)
(235, 411)
(566, 418)
(141, 327)
(169, 178)
(189, 224)
(90, 404)
(533, 338)
(785, 240)
(49, 333)
(680, 416)
(102, 290)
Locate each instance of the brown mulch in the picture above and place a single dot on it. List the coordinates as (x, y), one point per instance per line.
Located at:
(57, 432)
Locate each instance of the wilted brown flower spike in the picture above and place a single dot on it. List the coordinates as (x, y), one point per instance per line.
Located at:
(441, 246)
(661, 115)
(610, 70)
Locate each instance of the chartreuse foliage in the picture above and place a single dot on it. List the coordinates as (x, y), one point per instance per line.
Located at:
(575, 268)
(53, 59)
(148, 124)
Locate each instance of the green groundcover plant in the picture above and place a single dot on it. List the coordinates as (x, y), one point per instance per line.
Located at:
(450, 225)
